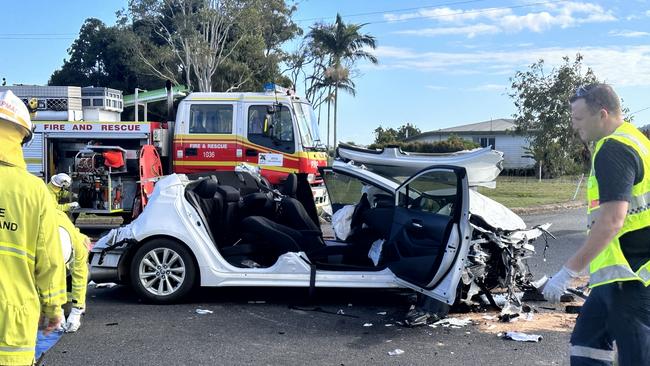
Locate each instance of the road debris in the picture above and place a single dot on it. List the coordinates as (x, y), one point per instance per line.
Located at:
(543, 321)
(105, 285)
(522, 337)
(203, 311)
(381, 313)
(321, 310)
(453, 322)
(416, 318)
(367, 325)
(573, 309)
(396, 352)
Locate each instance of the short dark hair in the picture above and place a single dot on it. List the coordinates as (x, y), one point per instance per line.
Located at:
(597, 97)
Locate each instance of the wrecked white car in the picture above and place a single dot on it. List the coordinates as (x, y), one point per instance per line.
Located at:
(430, 233)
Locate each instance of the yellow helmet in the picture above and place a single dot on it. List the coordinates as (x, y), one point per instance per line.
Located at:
(13, 110)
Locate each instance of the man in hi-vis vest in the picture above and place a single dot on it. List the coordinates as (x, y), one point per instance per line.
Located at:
(617, 248)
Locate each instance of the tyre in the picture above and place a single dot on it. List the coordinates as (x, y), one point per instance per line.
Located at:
(162, 271)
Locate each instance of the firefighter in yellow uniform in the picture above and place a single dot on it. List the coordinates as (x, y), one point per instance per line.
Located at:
(78, 269)
(58, 187)
(32, 272)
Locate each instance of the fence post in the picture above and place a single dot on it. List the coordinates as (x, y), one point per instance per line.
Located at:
(578, 188)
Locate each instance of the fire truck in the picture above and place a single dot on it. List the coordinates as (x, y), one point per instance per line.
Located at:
(111, 161)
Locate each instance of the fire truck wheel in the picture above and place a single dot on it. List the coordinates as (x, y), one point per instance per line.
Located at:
(162, 271)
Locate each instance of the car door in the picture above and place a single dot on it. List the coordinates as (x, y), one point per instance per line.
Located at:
(429, 237)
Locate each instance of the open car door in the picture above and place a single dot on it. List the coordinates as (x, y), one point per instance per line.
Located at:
(429, 238)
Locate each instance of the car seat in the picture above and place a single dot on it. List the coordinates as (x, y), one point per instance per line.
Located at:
(229, 217)
(290, 186)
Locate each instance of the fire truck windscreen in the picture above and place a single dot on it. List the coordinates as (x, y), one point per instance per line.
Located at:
(307, 124)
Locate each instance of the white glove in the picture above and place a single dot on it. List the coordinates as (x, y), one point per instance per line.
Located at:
(73, 205)
(61, 326)
(74, 320)
(555, 287)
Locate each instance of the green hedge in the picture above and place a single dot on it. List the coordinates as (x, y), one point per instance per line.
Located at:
(453, 144)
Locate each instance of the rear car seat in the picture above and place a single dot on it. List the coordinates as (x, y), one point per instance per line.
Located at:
(229, 217)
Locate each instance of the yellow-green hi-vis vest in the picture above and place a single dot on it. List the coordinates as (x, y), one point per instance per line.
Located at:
(610, 265)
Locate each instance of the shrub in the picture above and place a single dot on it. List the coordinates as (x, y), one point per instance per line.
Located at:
(453, 144)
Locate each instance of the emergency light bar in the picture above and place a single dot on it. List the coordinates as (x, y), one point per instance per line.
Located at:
(272, 87)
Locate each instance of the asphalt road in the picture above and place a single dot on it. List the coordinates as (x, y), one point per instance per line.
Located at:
(283, 327)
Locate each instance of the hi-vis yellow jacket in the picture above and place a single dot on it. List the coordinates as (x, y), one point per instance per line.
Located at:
(78, 266)
(610, 265)
(32, 272)
(62, 194)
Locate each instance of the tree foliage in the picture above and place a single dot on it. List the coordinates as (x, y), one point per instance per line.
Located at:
(544, 114)
(101, 56)
(220, 45)
(452, 144)
(391, 135)
(208, 45)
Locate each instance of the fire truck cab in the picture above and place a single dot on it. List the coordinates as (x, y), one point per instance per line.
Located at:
(274, 130)
(78, 131)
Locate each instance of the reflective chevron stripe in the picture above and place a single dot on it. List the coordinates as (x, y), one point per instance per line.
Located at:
(593, 353)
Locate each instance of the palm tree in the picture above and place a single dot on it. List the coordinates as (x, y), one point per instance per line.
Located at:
(344, 45)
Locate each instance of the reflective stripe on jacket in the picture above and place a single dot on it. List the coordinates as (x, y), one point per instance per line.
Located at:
(32, 273)
(610, 265)
(78, 267)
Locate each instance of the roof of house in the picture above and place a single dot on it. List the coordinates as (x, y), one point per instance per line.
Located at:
(494, 125)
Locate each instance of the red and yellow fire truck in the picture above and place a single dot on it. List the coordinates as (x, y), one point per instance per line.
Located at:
(273, 130)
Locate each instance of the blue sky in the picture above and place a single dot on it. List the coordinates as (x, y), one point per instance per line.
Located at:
(442, 62)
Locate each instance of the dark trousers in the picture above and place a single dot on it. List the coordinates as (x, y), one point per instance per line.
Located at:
(617, 312)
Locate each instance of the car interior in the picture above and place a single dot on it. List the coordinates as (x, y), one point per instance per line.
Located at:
(252, 225)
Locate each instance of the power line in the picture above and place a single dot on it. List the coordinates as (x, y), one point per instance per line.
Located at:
(395, 10)
(479, 11)
(488, 10)
(38, 34)
(1, 37)
(640, 110)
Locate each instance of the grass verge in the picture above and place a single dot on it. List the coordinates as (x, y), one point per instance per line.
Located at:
(516, 192)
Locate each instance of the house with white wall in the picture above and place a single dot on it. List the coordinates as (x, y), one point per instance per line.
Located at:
(498, 133)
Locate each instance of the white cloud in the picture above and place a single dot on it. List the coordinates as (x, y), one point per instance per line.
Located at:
(628, 33)
(489, 87)
(495, 20)
(470, 31)
(622, 66)
(451, 15)
(647, 13)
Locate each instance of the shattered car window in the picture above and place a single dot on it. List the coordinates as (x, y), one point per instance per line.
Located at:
(342, 189)
(434, 192)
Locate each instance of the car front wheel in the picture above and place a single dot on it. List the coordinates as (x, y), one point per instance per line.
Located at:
(162, 271)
